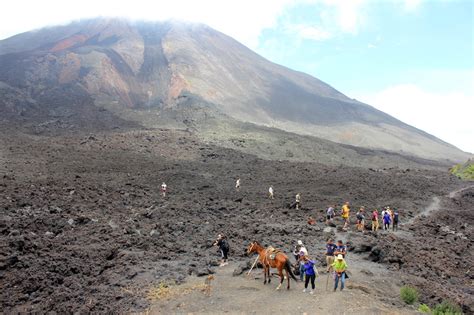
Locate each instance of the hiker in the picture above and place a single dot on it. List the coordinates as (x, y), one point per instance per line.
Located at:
(360, 219)
(330, 248)
(296, 251)
(390, 212)
(237, 184)
(345, 214)
(303, 252)
(224, 247)
(310, 274)
(341, 249)
(340, 268)
(383, 215)
(163, 189)
(386, 221)
(297, 200)
(375, 220)
(270, 192)
(330, 214)
(395, 220)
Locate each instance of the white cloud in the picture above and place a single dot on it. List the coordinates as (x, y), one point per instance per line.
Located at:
(447, 116)
(411, 5)
(243, 20)
(371, 46)
(308, 32)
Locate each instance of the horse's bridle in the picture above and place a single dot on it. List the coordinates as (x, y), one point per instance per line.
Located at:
(251, 247)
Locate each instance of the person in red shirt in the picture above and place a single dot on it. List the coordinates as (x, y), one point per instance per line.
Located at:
(375, 220)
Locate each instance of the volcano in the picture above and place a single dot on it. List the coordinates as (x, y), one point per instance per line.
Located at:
(175, 74)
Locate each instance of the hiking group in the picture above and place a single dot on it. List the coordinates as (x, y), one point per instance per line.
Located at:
(305, 266)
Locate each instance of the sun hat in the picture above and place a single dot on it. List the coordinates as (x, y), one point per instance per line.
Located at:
(300, 242)
(339, 257)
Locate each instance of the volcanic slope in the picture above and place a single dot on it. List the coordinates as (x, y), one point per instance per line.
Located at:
(83, 228)
(131, 66)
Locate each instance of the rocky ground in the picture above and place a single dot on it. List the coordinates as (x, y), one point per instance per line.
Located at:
(83, 228)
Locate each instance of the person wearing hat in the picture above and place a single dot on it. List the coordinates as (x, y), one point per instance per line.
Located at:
(303, 252)
(339, 266)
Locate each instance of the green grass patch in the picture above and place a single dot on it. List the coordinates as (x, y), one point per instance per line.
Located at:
(464, 171)
(409, 294)
(447, 308)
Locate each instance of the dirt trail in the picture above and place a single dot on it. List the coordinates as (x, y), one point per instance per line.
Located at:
(249, 296)
(371, 289)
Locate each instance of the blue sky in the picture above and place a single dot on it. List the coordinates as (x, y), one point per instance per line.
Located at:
(413, 59)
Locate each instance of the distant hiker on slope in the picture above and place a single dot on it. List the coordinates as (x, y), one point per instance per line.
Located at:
(360, 219)
(297, 200)
(237, 184)
(345, 214)
(386, 220)
(270, 192)
(224, 247)
(395, 219)
(330, 214)
(340, 268)
(375, 220)
(310, 274)
(330, 249)
(163, 189)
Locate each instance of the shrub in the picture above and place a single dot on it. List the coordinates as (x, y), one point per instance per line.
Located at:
(447, 308)
(409, 294)
(423, 308)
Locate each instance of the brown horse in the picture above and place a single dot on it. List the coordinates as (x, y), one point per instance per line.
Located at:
(271, 259)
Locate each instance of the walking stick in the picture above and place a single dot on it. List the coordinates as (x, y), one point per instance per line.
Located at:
(327, 281)
(254, 263)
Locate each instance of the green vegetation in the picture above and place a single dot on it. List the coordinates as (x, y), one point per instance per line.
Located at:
(464, 171)
(423, 308)
(409, 294)
(447, 308)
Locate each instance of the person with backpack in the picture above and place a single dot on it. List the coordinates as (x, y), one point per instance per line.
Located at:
(386, 221)
(330, 249)
(224, 247)
(375, 220)
(360, 219)
(383, 216)
(395, 220)
(330, 214)
(310, 274)
(340, 267)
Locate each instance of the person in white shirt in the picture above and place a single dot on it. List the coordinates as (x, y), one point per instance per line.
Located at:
(270, 192)
(163, 189)
(237, 184)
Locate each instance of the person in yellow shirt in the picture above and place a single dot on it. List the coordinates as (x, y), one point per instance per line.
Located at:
(345, 214)
(339, 266)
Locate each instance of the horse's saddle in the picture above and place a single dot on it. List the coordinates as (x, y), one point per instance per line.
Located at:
(272, 252)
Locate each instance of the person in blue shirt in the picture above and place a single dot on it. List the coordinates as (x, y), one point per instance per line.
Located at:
(386, 221)
(310, 274)
(330, 248)
(341, 249)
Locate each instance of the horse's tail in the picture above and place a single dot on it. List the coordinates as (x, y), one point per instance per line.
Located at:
(288, 268)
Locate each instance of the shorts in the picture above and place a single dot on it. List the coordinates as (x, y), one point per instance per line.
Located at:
(329, 216)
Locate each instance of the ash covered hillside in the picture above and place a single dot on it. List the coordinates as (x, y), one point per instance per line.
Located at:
(138, 73)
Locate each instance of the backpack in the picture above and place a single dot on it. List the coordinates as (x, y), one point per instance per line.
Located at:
(225, 245)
